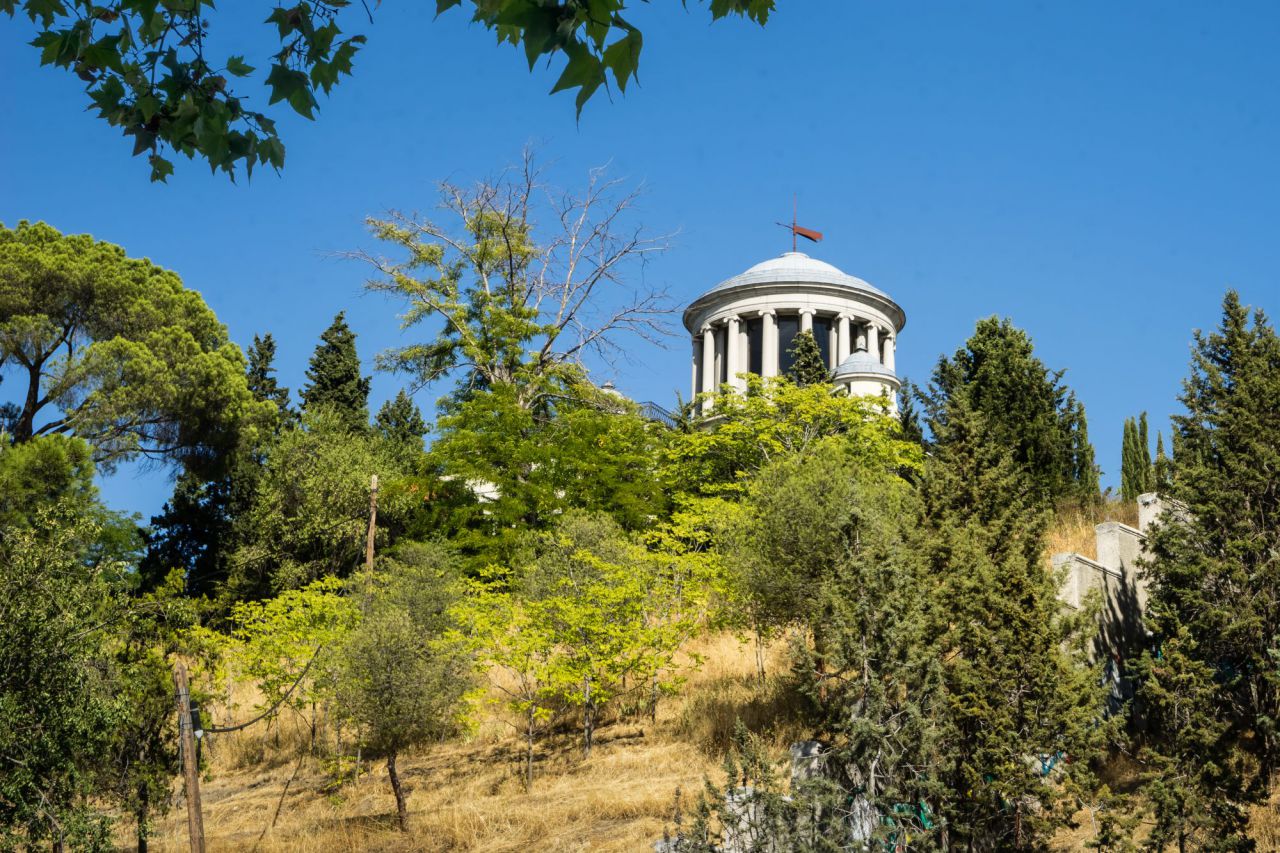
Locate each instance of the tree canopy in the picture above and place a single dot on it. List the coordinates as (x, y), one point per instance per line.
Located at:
(150, 68)
(116, 351)
(1024, 405)
(527, 283)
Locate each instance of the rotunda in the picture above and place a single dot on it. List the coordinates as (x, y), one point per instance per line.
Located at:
(746, 324)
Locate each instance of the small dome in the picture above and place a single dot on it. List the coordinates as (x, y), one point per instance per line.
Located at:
(861, 363)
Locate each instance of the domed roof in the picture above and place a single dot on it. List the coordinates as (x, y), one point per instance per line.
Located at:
(861, 363)
(799, 268)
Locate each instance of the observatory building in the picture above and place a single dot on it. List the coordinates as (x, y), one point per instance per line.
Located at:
(746, 324)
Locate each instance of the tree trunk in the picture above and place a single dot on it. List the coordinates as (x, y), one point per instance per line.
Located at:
(528, 755)
(588, 719)
(759, 655)
(140, 816)
(402, 812)
(25, 427)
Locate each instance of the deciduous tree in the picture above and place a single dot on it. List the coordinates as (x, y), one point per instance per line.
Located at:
(526, 283)
(150, 68)
(400, 683)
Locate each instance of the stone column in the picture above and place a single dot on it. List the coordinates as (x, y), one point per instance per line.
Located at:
(708, 359)
(861, 344)
(769, 343)
(733, 351)
(873, 340)
(806, 320)
(842, 338)
(890, 347)
(697, 365)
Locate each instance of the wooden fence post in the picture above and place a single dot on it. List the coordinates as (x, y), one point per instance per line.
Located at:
(190, 767)
(373, 522)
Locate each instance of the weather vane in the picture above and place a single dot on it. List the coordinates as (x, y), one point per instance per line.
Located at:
(796, 230)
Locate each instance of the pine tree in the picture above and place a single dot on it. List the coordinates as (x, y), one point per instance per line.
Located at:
(261, 373)
(1211, 687)
(807, 367)
(334, 378)
(1017, 692)
(400, 421)
(908, 414)
(1025, 406)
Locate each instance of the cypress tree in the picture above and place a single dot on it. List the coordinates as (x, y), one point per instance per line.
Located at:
(1147, 472)
(334, 378)
(1084, 466)
(1162, 468)
(1211, 686)
(807, 367)
(1129, 485)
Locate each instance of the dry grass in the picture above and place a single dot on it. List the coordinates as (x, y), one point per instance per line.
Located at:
(1072, 528)
(468, 795)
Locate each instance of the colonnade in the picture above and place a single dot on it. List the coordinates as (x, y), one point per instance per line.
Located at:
(712, 358)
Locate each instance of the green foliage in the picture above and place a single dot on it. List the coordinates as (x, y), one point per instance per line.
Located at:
(505, 470)
(260, 375)
(143, 754)
(149, 70)
(400, 422)
(1211, 685)
(399, 682)
(333, 377)
(612, 614)
(510, 305)
(1162, 468)
(1017, 689)
(44, 471)
(309, 515)
(807, 367)
(774, 418)
(116, 351)
(754, 810)
(591, 616)
(1025, 406)
(1137, 476)
(57, 715)
(299, 630)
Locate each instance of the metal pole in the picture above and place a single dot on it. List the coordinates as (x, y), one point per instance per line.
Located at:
(190, 769)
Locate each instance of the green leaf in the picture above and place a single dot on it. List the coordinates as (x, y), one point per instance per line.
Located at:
(148, 105)
(237, 66)
(623, 57)
(161, 168)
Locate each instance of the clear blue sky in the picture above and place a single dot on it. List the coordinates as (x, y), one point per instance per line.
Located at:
(1098, 172)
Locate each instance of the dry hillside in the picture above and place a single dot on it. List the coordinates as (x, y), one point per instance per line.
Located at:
(467, 796)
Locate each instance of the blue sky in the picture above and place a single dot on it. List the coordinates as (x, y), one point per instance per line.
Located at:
(1098, 172)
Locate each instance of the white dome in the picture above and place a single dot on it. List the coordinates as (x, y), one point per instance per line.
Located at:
(799, 268)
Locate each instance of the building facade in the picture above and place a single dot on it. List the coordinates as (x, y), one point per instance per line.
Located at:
(747, 324)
